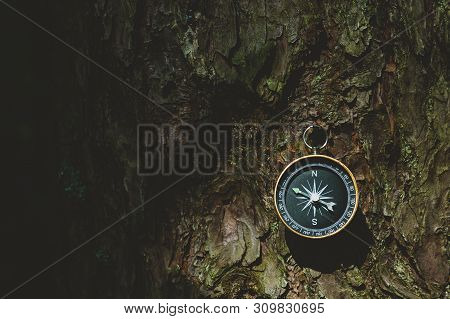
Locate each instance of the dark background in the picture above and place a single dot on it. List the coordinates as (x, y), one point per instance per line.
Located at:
(31, 227)
(69, 153)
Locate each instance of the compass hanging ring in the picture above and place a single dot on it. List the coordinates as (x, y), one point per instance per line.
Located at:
(312, 129)
(316, 196)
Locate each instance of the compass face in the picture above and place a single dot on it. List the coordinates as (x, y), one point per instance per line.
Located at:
(316, 196)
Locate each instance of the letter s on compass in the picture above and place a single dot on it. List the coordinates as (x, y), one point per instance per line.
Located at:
(316, 196)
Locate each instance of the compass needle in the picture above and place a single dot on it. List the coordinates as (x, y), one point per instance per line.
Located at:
(330, 206)
(316, 196)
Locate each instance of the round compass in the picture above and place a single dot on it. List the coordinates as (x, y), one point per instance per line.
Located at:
(316, 196)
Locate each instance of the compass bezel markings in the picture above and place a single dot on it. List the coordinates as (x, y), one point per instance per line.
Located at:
(299, 166)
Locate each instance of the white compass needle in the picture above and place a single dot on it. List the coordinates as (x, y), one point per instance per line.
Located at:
(328, 206)
(297, 191)
(305, 196)
(314, 194)
(316, 198)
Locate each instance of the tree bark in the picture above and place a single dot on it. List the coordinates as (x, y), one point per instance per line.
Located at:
(246, 61)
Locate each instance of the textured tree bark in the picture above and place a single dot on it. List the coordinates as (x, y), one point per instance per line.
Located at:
(246, 61)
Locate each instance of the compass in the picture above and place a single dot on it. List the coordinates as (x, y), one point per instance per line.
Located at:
(316, 196)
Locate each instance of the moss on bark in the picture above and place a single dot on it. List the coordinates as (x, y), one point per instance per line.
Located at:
(388, 117)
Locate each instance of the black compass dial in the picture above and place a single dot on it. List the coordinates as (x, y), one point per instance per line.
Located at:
(316, 196)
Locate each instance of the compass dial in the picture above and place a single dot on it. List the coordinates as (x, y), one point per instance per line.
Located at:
(316, 196)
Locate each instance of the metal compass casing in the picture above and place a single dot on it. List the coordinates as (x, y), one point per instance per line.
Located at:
(316, 196)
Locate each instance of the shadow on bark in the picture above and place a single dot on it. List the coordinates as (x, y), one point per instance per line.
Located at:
(349, 247)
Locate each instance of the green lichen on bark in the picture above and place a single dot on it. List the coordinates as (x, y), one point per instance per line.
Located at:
(387, 116)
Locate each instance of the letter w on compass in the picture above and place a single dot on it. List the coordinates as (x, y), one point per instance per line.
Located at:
(314, 197)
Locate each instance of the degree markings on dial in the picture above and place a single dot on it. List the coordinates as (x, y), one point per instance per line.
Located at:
(313, 206)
